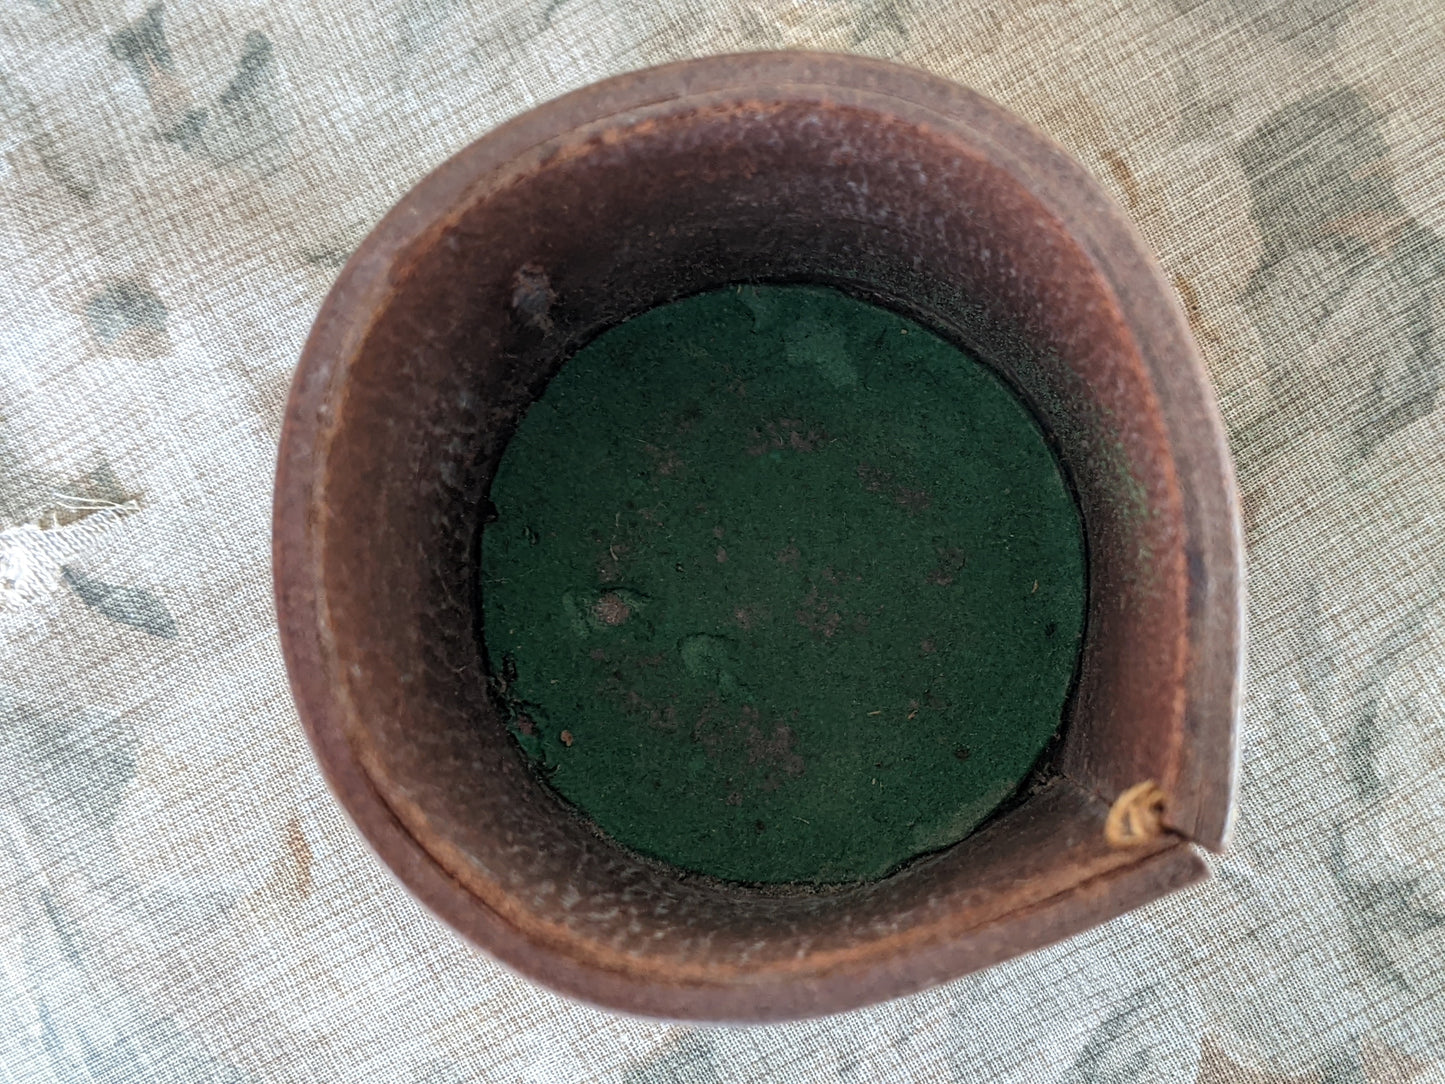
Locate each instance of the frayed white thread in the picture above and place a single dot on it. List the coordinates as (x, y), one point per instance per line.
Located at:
(33, 554)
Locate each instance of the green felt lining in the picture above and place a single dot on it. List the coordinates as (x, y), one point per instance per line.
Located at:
(782, 588)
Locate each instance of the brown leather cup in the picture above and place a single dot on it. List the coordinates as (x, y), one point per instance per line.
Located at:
(891, 185)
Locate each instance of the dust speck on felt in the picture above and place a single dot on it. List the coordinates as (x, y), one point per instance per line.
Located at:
(612, 610)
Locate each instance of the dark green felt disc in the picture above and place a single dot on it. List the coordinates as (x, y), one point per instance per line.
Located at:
(782, 588)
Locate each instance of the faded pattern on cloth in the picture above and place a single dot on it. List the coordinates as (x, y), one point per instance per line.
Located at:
(183, 900)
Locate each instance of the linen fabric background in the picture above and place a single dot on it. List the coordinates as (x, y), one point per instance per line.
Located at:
(180, 897)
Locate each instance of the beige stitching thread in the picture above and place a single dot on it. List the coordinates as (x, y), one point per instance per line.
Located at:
(1136, 817)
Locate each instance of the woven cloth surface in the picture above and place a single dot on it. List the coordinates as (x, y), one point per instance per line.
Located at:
(181, 899)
